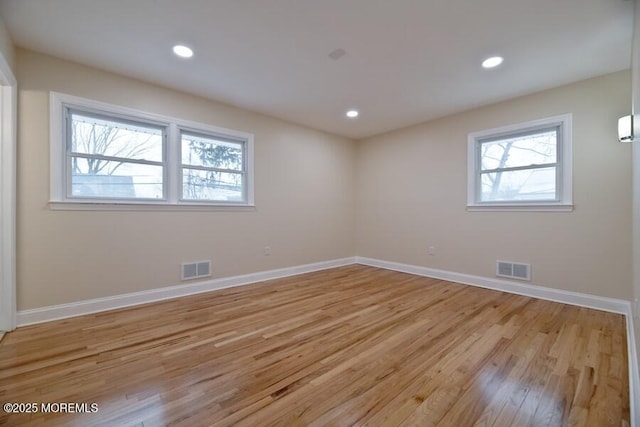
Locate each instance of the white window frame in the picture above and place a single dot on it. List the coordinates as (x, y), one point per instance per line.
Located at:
(59, 166)
(564, 175)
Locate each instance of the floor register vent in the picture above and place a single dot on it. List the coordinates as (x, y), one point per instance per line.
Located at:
(513, 270)
(196, 270)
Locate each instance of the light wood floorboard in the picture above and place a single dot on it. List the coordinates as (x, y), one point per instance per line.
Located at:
(354, 345)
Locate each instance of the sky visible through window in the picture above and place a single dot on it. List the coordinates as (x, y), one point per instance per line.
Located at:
(211, 168)
(519, 167)
(100, 150)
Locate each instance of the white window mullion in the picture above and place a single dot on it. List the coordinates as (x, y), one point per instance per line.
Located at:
(245, 195)
(521, 168)
(565, 173)
(66, 177)
(172, 170)
(115, 159)
(249, 170)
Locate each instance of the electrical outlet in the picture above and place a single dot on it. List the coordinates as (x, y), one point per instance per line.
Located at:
(431, 250)
(267, 250)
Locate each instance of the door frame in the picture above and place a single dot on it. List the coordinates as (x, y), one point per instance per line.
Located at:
(8, 132)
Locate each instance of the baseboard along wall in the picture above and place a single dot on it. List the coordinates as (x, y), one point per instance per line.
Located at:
(62, 311)
(79, 308)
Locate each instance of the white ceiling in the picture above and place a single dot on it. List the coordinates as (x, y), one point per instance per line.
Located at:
(406, 61)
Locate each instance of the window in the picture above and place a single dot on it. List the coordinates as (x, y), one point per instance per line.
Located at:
(114, 159)
(213, 168)
(103, 155)
(525, 166)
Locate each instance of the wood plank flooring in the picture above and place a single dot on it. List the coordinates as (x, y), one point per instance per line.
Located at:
(348, 346)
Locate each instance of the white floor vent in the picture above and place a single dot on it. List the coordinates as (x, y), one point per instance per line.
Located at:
(196, 270)
(513, 270)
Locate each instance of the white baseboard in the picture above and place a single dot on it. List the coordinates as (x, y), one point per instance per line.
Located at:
(557, 295)
(550, 294)
(62, 311)
(55, 312)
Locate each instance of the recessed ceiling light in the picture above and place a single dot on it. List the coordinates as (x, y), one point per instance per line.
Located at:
(352, 114)
(183, 51)
(492, 62)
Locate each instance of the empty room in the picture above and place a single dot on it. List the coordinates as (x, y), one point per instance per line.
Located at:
(319, 213)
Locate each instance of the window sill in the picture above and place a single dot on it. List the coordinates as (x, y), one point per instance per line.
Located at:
(141, 206)
(520, 208)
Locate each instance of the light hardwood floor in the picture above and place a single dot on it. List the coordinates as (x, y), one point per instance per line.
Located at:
(354, 345)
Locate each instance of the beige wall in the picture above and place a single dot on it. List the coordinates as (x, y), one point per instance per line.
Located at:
(6, 45)
(304, 193)
(321, 197)
(411, 194)
(636, 174)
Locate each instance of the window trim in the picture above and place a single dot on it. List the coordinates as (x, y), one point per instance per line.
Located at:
(59, 198)
(564, 201)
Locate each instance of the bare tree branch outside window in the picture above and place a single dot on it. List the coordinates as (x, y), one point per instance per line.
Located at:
(220, 175)
(510, 166)
(100, 139)
(112, 158)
